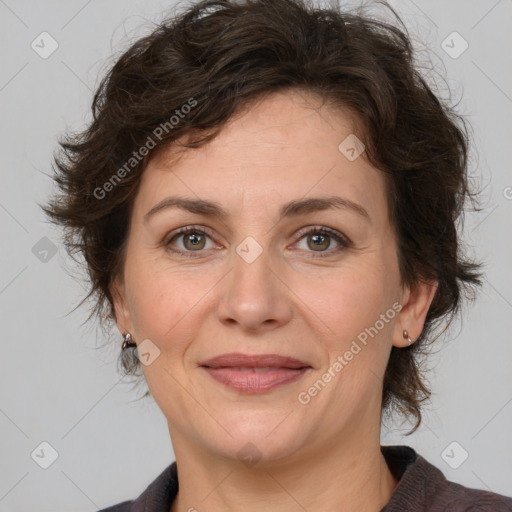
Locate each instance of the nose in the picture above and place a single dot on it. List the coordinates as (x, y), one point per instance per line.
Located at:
(254, 297)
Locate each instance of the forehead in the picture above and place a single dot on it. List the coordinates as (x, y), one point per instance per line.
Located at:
(280, 147)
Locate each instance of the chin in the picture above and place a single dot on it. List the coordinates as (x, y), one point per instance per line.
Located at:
(260, 437)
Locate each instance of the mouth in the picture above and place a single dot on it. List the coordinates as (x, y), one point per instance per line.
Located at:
(255, 373)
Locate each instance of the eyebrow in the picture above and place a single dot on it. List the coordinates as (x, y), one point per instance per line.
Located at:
(291, 209)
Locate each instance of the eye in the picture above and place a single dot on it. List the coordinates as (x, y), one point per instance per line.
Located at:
(193, 239)
(320, 239)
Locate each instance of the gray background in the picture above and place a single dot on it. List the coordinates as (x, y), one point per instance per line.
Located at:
(58, 387)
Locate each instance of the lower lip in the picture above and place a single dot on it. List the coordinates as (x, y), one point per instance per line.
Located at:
(255, 382)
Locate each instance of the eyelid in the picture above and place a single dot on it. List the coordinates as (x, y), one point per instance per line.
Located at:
(186, 229)
(343, 241)
(311, 230)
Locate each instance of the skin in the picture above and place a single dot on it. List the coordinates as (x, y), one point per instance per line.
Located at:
(324, 455)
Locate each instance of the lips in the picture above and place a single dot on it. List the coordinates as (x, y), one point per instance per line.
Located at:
(254, 373)
(238, 360)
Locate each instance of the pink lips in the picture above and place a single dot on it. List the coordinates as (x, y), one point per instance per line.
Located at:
(254, 373)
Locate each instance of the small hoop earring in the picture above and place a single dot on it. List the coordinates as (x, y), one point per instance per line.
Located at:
(127, 341)
(408, 338)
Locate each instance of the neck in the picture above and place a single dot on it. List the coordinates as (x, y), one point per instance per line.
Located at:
(347, 477)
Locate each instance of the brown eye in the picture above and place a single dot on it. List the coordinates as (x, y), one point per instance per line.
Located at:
(194, 240)
(319, 240)
(188, 240)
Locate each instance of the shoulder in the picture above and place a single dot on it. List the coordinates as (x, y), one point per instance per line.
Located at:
(124, 506)
(157, 497)
(422, 486)
(454, 497)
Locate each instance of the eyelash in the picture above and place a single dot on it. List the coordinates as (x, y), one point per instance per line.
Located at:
(341, 239)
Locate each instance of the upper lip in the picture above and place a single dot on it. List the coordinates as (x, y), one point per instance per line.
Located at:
(239, 360)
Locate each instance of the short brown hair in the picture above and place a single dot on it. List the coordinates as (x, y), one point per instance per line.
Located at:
(216, 57)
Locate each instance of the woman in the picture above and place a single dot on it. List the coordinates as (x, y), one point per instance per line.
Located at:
(267, 202)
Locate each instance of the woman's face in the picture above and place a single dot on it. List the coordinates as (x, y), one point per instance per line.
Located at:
(259, 282)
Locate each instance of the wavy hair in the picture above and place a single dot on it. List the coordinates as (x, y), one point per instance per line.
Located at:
(217, 56)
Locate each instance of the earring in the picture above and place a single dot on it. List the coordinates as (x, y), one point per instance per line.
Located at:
(127, 341)
(409, 340)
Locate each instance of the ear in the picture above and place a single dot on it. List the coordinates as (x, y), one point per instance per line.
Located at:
(123, 320)
(415, 303)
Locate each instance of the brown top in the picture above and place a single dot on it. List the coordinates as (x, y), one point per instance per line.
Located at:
(421, 488)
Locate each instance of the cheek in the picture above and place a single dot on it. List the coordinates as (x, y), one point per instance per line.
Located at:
(357, 308)
(352, 300)
(166, 303)
(157, 307)
(157, 299)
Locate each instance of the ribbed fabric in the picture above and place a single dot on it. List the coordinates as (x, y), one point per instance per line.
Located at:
(421, 488)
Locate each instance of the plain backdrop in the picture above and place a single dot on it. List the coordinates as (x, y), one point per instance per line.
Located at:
(58, 388)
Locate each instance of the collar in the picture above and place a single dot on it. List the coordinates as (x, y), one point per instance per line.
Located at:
(421, 486)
